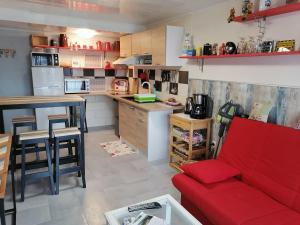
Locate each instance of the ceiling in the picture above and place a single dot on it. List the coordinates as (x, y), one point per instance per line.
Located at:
(114, 15)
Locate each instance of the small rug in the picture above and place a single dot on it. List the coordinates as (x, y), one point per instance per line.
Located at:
(117, 148)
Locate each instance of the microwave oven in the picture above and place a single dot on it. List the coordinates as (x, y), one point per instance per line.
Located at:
(44, 59)
(73, 86)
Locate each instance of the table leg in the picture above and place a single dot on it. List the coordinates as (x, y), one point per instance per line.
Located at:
(1, 121)
(82, 118)
(168, 214)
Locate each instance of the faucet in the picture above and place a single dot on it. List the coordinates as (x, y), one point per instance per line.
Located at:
(149, 86)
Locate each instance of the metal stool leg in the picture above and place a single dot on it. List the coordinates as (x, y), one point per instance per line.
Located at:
(56, 149)
(23, 172)
(70, 150)
(77, 143)
(81, 162)
(49, 166)
(15, 143)
(2, 212)
(34, 127)
(85, 122)
(13, 166)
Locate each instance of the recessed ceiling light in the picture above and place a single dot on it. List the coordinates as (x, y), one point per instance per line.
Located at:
(85, 33)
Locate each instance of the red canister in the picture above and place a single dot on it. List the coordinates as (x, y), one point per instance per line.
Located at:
(99, 45)
(107, 46)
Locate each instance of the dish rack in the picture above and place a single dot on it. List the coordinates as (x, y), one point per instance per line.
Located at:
(189, 139)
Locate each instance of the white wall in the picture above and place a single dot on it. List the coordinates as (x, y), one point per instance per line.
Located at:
(210, 25)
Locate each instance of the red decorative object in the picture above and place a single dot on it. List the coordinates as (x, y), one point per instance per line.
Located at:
(79, 49)
(270, 12)
(241, 55)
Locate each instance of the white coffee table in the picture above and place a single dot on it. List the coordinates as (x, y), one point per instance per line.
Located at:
(172, 212)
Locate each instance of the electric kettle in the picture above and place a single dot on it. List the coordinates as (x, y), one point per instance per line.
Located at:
(189, 105)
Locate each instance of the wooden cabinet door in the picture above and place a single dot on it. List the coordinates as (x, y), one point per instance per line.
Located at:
(159, 46)
(146, 42)
(127, 122)
(125, 46)
(141, 130)
(136, 44)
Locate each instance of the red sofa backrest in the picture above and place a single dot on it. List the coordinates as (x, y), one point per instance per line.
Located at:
(268, 156)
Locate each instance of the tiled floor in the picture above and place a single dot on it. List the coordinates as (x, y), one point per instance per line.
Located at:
(111, 183)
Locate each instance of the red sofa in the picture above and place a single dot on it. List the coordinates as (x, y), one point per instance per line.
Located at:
(267, 192)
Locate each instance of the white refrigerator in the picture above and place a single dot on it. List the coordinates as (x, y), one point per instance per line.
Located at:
(48, 81)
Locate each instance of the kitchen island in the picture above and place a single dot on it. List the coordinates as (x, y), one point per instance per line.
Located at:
(143, 126)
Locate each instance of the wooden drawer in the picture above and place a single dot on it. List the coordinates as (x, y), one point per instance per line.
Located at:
(180, 123)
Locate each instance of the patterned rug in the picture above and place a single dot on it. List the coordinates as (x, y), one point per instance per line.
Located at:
(117, 148)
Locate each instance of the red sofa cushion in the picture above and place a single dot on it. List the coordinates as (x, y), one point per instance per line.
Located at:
(233, 202)
(210, 171)
(268, 157)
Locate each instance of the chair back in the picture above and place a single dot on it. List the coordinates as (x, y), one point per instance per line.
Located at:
(5, 148)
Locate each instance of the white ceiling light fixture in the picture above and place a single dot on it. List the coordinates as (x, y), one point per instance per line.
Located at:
(85, 33)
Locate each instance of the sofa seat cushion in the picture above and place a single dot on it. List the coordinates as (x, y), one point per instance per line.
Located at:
(210, 171)
(234, 203)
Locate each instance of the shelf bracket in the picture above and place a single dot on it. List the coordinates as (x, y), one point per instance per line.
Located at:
(202, 65)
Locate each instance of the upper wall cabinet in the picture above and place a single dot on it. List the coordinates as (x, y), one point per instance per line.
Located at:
(141, 43)
(167, 42)
(146, 43)
(125, 46)
(163, 43)
(136, 44)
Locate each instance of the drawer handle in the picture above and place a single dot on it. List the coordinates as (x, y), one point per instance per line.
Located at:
(141, 121)
(131, 107)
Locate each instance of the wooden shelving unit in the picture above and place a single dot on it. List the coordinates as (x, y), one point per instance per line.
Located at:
(288, 8)
(186, 150)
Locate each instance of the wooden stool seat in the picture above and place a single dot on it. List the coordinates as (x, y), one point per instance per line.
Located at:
(58, 117)
(34, 135)
(66, 132)
(23, 119)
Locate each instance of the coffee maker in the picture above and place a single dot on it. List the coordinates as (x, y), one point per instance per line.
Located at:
(200, 106)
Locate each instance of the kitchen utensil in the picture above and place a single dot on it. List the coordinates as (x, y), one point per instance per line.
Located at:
(120, 85)
(144, 98)
(230, 48)
(207, 49)
(200, 106)
(99, 45)
(63, 40)
(53, 42)
(189, 105)
(107, 46)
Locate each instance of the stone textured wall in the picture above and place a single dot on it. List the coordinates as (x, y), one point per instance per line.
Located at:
(285, 100)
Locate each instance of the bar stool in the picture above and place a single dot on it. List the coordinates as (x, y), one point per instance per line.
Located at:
(35, 137)
(59, 118)
(23, 121)
(67, 134)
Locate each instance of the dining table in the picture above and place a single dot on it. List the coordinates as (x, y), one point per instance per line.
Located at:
(73, 102)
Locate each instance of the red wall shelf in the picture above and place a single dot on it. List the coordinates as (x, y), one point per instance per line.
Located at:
(270, 12)
(241, 55)
(68, 48)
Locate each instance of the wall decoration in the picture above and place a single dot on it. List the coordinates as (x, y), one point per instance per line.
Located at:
(286, 45)
(285, 100)
(231, 16)
(7, 52)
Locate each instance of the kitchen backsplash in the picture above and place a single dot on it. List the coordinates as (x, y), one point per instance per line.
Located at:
(170, 84)
(286, 101)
